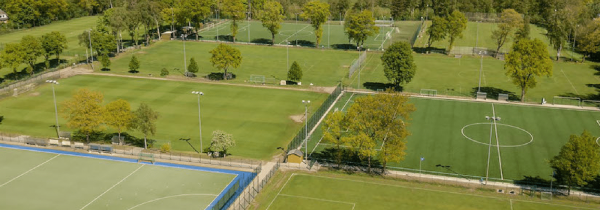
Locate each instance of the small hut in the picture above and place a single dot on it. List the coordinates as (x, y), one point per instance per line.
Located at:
(3, 17)
(295, 156)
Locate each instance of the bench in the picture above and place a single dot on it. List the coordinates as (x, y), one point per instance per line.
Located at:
(146, 157)
(105, 148)
(79, 145)
(53, 142)
(30, 141)
(66, 143)
(94, 147)
(100, 148)
(41, 142)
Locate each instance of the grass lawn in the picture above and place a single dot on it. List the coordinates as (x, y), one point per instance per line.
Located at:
(327, 190)
(441, 130)
(40, 180)
(258, 118)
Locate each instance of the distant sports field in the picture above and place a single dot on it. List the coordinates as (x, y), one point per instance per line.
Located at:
(59, 180)
(345, 192)
(457, 134)
(259, 118)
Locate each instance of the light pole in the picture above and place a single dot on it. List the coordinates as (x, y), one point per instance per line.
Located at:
(358, 85)
(305, 102)
(249, 27)
(199, 119)
(288, 54)
(183, 36)
(480, 70)
(218, 23)
(91, 49)
(54, 82)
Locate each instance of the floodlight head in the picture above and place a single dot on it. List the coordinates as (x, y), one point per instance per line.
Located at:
(487, 117)
(201, 93)
(47, 80)
(498, 118)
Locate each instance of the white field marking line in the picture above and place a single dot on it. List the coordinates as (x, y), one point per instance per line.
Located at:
(112, 187)
(497, 142)
(223, 190)
(294, 33)
(487, 171)
(552, 204)
(569, 81)
(172, 196)
(317, 145)
(280, 191)
(26, 172)
(319, 199)
(511, 206)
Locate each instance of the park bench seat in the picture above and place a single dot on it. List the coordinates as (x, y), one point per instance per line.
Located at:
(41, 142)
(79, 145)
(54, 142)
(65, 143)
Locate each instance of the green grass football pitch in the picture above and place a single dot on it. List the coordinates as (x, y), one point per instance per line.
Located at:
(456, 134)
(258, 118)
(39, 180)
(335, 191)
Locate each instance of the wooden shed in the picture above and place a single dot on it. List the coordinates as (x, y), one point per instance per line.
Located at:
(295, 156)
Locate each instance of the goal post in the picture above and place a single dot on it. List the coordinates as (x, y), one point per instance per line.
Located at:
(428, 92)
(590, 103)
(502, 97)
(546, 195)
(356, 64)
(571, 101)
(481, 95)
(257, 79)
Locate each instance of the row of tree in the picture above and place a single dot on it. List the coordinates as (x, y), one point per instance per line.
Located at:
(30, 48)
(85, 112)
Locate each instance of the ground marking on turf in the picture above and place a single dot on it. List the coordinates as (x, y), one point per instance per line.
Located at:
(294, 34)
(515, 127)
(497, 142)
(319, 199)
(511, 207)
(172, 196)
(314, 148)
(569, 81)
(113, 186)
(552, 204)
(280, 190)
(26, 172)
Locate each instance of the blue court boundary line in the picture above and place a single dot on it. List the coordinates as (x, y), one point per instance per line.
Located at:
(237, 179)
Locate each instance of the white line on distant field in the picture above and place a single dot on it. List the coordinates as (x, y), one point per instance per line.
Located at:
(293, 34)
(113, 186)
(280, 190)
(9, 181)
(569, 81)
(497, 142)
(511, 207)
(172, 196)
(319, 199)
(314, 148)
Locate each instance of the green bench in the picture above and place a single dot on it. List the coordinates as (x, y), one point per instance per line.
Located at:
(146, 157)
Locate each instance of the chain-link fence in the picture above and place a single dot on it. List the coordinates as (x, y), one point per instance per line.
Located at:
(416, 34)
(258, 183)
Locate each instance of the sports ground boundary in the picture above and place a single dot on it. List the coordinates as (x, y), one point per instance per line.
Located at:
(242, 178)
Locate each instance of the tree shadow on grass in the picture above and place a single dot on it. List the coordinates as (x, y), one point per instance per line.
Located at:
(380, 86)
(219, 76)
(350, 163)
(425, 50)
(344, 46)
(589, 96)
(227, 38)
(492, 93)
(133, 71)
(262, 41)
(304, 43)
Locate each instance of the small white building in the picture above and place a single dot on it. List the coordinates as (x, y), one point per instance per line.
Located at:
(3, 17)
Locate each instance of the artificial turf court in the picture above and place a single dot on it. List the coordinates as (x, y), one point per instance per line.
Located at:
(346, 192)
(47, 179)
(457, 134)
(258, 118)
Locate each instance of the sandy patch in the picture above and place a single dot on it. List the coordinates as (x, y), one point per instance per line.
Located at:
(297, 118)
(34, 94)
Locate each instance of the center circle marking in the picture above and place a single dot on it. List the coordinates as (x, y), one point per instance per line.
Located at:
(515, 127)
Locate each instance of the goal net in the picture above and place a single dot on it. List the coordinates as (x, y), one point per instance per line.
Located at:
(428, 92)
(571, 101)
(502, 97)
(481, 95)
(590, 103)
(357, 64)
(546, 196)
(384, 23)
(260, 79)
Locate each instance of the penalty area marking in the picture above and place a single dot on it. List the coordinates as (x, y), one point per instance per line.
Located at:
(319, 199)
(515, 127)
(172, 196)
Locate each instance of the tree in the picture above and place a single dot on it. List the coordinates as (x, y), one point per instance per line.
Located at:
(333, 127)
(144, 120)
(398, 63)
(437, 31)
(105, 60)
(339, 8)
(523, 32)
(456, 24)
(271, 18)
(526, 60)
(195, 11)
(589, 43)
(164, 72)
(84, 111)
(221, 142)
(134, 64)
(193, 67)
(101, 43)
(12, 56)
(119, 116)
(510, 21)
(235, 9)
(295, 72)
(133, 20)
(224, 57)
(317, 12)
(359, 26)
(578, 161)
(32, 49)
(54, 43)
(380, 118)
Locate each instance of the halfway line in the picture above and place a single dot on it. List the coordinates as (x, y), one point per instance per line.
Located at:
(112, 187)
(9, 181)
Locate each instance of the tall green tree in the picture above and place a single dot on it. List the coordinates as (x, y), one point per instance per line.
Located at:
(578, 161)
(134, 64)
(84, 111)
(54, 43)
(359, 26)
(225, 57)
(144, 120)
(339, 8)
(12, 56)
(295, 72)
(193, 67)
(589, 40)
(236, 10)
(456, 24)
(221, 142)
(271, 18)
(118, 115)
(32, 50)
(333, 132)
(194, 12)
(101, 43)
(525, 31)
(526, 60)
(437, 30)
(105, 60)
(398, 63)
(317, 12)
(510, 21)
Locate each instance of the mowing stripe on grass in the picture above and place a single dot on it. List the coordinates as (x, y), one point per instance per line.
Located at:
(26, 172)
(563, 72)
(497, 141)
(112, 187)
(319, 199)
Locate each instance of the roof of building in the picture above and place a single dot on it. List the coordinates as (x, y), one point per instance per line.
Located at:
(2, 12)
(296, 152)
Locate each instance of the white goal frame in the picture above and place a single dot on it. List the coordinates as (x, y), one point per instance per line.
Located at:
(428, 92)
(481, 95)
(257, 79)
(555, 99)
